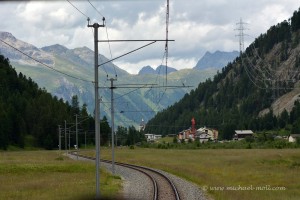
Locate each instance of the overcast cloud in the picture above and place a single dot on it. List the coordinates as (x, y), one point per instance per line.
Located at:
(196, 26)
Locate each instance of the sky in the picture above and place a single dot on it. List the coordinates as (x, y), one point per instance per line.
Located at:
(196, 26)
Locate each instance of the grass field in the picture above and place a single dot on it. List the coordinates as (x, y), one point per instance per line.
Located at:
(226, 173)
(165, 140)
(223, 173)
(48, 175)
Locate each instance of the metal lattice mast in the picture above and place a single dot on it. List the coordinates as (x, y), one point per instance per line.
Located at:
(241, 34)
(167, 38)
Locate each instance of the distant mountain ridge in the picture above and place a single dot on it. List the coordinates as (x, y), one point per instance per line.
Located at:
(146, 70)
(217, 59)
(25, 47)
(79, 62)
(160, 70)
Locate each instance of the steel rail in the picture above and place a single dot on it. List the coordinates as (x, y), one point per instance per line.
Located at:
(155, 188)
(138, 168)
(157, 172)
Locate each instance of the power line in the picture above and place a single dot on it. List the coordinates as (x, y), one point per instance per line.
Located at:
(106, 35)
(165, 55)
(95, 9)
(77, 9)
(241, 35)
(45, 64)
(92, 29)
(111, 57)
(130, 92)
(127, 53)
(103, 65)
(261, 71)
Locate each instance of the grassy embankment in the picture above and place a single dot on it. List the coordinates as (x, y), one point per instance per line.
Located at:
(250, 173)
(48, 175)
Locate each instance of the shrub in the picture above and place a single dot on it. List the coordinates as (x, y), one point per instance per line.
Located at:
(175, 140)
(249, 139)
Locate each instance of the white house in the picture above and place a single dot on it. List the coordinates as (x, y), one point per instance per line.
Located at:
(241, 134)
(204, 134)
(293, 137)
(152, 137)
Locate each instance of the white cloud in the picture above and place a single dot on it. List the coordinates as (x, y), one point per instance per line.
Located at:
(197, 26)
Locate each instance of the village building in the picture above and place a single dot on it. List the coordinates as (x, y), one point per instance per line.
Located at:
(293, 137)
(203, 137)
(202, 134)
(242, 134)
(186, 134)
(207, 134)
(152, 137)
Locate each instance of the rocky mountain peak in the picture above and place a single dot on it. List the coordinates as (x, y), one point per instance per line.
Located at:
(27, 48)
(161, 69)
(7, 35)
(56, 49)
(146, 70)
(218, 59)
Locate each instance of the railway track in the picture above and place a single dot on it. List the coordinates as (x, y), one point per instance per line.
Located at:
(163, 187)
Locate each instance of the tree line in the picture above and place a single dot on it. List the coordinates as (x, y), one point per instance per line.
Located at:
(29, 115)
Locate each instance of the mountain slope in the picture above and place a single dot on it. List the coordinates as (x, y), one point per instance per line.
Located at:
(28, 115)
(25, 47)
(146, 70)
(217, 59)
(253, 83)
(135, 103)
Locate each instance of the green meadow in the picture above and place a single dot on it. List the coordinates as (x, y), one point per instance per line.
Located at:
(225, 173)
(49, 175)
(222, 173)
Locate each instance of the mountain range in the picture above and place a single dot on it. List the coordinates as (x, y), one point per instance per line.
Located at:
(217, 59)
(67, 72)
(259, 90)
(160, 70)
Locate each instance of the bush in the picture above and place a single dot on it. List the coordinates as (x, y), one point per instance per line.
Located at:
(280, 144)
(249, 139)
(249, 146)
(175, 140)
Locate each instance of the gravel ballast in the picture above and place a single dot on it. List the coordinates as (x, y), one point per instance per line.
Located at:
(137, 186)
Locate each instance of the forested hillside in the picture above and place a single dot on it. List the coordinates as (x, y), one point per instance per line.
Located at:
(29, 115)
(235, 97)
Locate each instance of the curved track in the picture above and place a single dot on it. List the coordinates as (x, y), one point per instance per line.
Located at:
(163, 187)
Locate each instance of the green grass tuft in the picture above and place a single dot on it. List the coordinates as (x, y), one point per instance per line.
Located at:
(49, 175)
